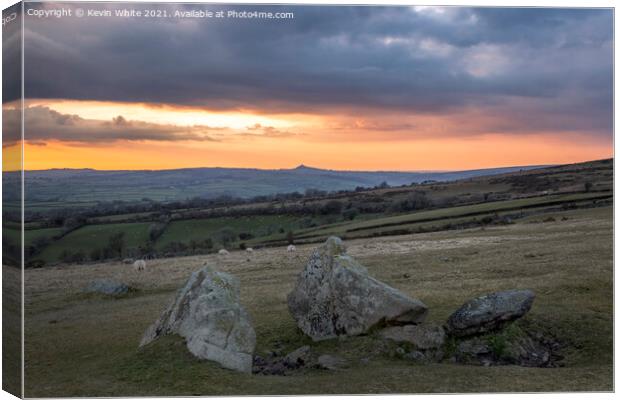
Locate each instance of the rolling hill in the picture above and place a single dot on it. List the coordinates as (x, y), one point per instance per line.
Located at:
(88, 185)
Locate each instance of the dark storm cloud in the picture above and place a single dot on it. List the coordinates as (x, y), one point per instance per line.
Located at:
(43, 124)
(336, 59)
(11, 54)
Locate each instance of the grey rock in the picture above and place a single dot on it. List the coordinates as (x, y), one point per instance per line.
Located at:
(415, 356)
(490, 312)
(259, 361)
(474, 351)
(335, 296)
(422, 336)
(435, 355)
(107, 287)
(527, 352)
(518, 348)
(277, 365)
(298, 357)
(474, 347)
(207, 313)
(330, 362)
(275, 353)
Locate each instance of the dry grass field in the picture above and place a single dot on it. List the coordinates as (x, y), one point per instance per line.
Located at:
(87, 345)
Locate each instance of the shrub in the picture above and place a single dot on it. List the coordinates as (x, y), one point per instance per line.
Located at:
(415, 201)
(35, 264)
(225, 236)
(175, 248)
(487, 219)
(207, 244)
(39, 243)
(350, 214)
(64, 256)
(245, 236)
(95, 254)
(116, 244)
(332, 207)
(307, 223)
(156, 230)
(78, 257)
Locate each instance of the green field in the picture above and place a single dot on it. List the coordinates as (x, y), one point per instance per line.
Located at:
(273, 229)
(200, 229)
(90, 237)
(196, 228)
(438, 219)
(31, 234)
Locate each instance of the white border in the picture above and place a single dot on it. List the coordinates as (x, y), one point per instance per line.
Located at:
(483, 3)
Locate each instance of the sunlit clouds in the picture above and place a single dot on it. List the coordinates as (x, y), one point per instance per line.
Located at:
(99, 138)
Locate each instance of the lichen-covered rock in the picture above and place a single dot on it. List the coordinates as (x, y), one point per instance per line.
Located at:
(298, 357)
(335, 296)
(490, 312)
(415, 355)
(423, 337)
(511, 346)
(475, 351)
(527, 352)
(274, 364)
(107, 287)
(207, 313)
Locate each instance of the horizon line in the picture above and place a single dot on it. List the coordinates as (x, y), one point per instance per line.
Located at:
(300, 166)
(421, 171)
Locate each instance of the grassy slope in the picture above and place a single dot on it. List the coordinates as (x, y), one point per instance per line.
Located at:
(200, 229)
(453, 215)
(11, 331)
(266, 229)
(47, 187)
(85, 346)
(31, 234)
(96, 236)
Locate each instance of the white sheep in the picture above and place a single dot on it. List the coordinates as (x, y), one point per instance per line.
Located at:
(249, 250)
(291, 248)
(139, 265)
(223, 252)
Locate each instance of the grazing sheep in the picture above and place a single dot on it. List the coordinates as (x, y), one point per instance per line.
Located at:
(139, 265)
(291, 248)
(249, 250)
(223, 252)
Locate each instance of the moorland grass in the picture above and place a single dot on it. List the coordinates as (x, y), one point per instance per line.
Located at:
(88, 346)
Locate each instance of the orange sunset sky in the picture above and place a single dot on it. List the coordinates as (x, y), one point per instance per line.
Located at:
(321, 141)
(383, 89)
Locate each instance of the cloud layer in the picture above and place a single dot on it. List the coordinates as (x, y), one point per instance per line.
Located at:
(44, 124)
(534, 69)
